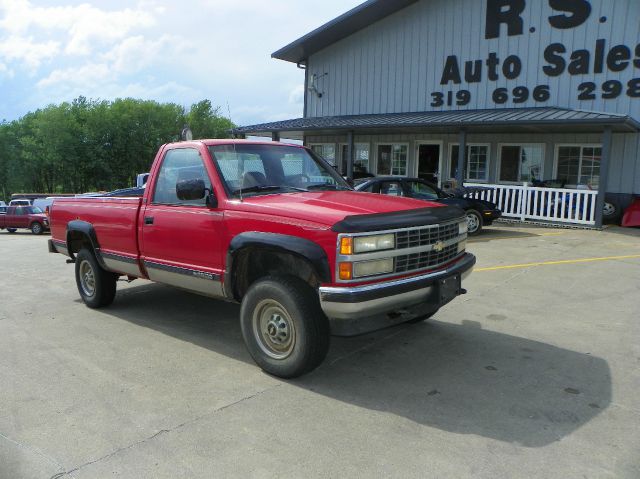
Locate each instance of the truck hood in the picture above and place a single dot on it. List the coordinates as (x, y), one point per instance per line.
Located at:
(328, 207)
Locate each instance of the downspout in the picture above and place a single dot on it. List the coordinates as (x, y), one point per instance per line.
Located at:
(604, 174)
(462, 154)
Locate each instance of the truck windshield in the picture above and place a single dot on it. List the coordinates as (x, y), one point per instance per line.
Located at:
(253, 169)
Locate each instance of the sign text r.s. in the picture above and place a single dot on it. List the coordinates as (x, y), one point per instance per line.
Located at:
(573, 13)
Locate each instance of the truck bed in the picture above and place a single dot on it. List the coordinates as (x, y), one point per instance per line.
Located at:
(114, 219)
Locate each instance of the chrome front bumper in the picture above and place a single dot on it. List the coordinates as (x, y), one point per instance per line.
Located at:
(354, 310)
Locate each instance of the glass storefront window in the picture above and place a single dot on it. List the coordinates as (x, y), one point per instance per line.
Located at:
(360, 158)
(519, 163)
(326, 150)
(579, 165)
(392, 159)
(477, 162)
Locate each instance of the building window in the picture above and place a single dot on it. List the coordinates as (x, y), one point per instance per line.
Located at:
(520, 163)
(326, 151)
(579, 165)
(477, 162)
(392, 159)
(360, 158)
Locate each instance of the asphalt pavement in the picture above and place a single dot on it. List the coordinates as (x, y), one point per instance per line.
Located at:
(535, 373)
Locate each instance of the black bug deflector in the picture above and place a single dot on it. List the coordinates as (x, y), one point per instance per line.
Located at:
(398, 219)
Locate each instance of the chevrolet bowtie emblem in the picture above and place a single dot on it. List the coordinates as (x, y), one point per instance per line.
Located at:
(439, 246)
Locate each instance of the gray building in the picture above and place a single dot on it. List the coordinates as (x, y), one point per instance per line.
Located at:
(493, 92)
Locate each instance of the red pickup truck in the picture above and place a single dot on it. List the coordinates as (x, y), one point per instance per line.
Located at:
(277, 229)
(28, 217)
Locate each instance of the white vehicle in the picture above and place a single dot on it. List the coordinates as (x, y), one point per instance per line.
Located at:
(20, 202)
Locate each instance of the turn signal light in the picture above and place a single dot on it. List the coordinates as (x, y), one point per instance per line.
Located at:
(346, 246)
(345, 271)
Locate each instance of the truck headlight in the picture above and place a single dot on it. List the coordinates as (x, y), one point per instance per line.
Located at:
(462, 245)
(463, 227)
(366, 244)
(372, 268)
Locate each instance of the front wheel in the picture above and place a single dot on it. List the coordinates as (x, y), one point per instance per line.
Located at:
(283, 326)
(36, 228)
(97, 287)
(474, 222)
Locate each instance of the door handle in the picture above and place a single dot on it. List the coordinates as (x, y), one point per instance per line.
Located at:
(148, 220)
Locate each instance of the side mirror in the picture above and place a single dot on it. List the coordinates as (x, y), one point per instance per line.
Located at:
(188, 190)
(212, 201)
(350, 182)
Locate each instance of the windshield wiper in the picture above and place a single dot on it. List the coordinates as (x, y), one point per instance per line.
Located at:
(328, 186)
(261, 188)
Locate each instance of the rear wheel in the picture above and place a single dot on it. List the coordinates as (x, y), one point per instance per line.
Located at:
(474, 222)
(12, 230)
(36, 228)
(610, 212)
(283, 326)
(96, 286)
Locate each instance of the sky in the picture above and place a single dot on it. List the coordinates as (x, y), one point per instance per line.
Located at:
(181, 51)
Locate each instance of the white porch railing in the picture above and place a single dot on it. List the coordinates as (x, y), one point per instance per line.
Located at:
(561, 205)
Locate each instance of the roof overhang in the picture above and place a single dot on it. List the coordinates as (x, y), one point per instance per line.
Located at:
(341, 27)
(514, 120)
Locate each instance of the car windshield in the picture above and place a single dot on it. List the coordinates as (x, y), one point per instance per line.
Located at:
(254, 169)
(31, 210)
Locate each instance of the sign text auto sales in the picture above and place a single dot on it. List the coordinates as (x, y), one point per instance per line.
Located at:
(600, 57)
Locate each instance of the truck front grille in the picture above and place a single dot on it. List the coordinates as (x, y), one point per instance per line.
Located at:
(426, 235)
(425, 259)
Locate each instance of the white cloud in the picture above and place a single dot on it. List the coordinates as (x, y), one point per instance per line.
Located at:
(134, 54)
(81, 29)
(296, 96)
(77, 76)
(27, 50)
(153, 49)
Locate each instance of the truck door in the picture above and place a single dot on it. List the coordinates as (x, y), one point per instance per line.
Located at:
(20, 217)
(180, 241)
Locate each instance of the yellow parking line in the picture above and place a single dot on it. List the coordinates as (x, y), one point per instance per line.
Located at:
(565, 261)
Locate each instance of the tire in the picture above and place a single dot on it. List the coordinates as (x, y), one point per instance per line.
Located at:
(283, 326)
(36, 228)
(96, 286)
(12, 230)
(474, 222)
(424, 317)
(610, 212)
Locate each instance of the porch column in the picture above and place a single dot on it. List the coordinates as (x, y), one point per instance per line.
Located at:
(604, 174)
(275, 136)
(349, 172)
(462, 153)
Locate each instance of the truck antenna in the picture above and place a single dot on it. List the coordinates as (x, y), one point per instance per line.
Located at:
(235, 153)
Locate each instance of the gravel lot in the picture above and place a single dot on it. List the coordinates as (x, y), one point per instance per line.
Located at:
(535, 373)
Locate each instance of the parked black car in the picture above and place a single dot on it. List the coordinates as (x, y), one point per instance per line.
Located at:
(479, 212)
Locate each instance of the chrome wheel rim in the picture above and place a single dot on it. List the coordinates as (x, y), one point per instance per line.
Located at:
(273, 329)
(87, 278)
(472, 223)
(609, 209)
(36, 228)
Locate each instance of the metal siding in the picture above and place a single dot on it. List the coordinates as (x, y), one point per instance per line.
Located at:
(405, 54)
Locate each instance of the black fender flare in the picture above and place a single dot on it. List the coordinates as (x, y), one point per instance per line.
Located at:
(302, 248)
(85, 229)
